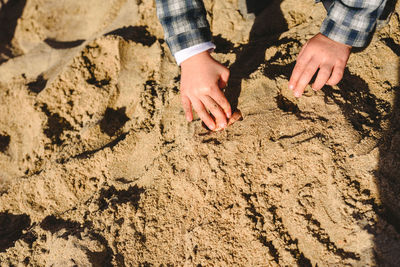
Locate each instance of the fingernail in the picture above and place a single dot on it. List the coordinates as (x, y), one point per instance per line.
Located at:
(228, 115)
(211, 127)
(291, 87)
(297, 94)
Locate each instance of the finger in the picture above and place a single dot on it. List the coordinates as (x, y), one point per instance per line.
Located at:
(224, 77)
(236, 116)
(305, 78)
(323, 75)
(221, 100)
(302, 50)
(301, 64)
(337, 75)
(187, 107)
(216, 111)
(203, 114)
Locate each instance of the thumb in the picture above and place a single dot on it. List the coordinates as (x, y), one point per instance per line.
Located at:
(224, 77)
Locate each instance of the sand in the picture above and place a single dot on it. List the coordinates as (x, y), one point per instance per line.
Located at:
(98, 166)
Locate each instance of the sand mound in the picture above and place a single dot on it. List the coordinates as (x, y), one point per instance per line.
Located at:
(98, 166)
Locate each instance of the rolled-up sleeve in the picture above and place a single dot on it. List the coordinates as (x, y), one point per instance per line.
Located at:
(352, 22)
(184, 22)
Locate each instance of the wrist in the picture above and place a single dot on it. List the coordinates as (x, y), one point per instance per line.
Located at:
(197, 59)
(336, 42)
(187, 53)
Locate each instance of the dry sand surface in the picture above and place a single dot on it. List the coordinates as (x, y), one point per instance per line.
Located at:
(98, 166)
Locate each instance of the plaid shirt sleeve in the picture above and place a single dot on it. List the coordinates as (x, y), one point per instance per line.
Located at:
(352, 22)
(184, 23)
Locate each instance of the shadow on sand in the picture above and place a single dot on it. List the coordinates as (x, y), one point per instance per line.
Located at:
(387, 230)
(364, 110)
(264, 33)
(10, 12)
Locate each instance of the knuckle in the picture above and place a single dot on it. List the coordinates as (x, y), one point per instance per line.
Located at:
(334, 82)
(184, 92)
(324, 74)
(205, 90)
(341, 62)
(186, 107)
(308, 73)
(227, 72)
(318, 85)
(300, 64)
(207, 119)
(214, 108)
(339, 75)
(226, 106)
(184, 100)
(326, 66)
(202, 114)
(218, 114)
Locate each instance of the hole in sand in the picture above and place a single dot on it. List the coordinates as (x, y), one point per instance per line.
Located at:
(56, 125)
(286, 105)
(4, 142)
(114, 119)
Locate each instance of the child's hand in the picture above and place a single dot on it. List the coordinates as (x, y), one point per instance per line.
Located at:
(322, 53)
(202, 79)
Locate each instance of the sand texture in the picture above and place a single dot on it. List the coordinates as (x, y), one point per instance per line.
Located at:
(98, 166)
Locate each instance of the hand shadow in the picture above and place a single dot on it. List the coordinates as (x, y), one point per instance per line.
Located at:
(268, 25)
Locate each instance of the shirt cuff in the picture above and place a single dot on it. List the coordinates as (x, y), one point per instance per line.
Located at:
(186, 53)
(344, 35)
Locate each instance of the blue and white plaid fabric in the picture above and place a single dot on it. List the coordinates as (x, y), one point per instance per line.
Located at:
(185, 23)
(351, 22)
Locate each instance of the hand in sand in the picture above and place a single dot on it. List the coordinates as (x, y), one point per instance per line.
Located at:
(202, 79)
(320, 54)
(236, 116)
